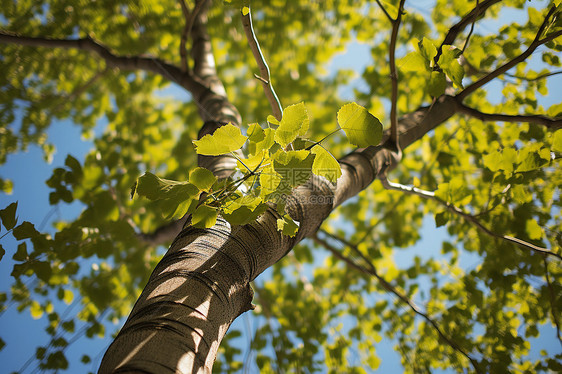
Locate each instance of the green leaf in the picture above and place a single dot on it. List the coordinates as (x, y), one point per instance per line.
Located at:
(255, 133)
(269, 180)
(68, 297)
(293, 123)
(427, 50)
(294, 167)
(266, 143)
(325, 164)
(441, 219)
(557, 141)
(2, 252)
(154, 188)
(202, 178)
(251, 164)
(272, 120)
(25, 230)
(361, 127)
(68, 326)
(531, 159)
(244, 214)
(437, 84)
(225, 139)
(8, 216)
(287, 226)
(413, 62)
(449, 64)
(533, 229)
(35, 310)
(179, 200)
(204, 217)
(21, 253)
(43, 270)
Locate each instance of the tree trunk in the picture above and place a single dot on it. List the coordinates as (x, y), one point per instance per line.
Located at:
(203, 282)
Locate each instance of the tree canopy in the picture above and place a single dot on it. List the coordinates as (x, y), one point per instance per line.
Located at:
(463, 96)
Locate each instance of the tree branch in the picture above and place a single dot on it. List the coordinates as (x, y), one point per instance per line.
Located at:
(390, 288)
(522, 57)
(468, 19)
(186, 33)
(550, 123)
(471, 30)
(384, 11)
(153, 65)
(394, 75)
(214, 106)
(264, 76)
(470, 218)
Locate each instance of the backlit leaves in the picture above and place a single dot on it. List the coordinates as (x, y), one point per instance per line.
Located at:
(225, 139)
(293, 123)
(361, 127)
(325, 164)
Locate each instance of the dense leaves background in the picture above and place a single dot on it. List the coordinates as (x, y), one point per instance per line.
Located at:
(316, 310)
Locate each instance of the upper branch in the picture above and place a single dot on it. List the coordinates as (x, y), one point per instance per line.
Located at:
(522, 57)
(394, 74)
(550, 123)
(470, 218)
(468, 19)
(155, 65)
(262, 64)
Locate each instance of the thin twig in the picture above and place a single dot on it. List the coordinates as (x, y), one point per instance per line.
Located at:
(469, 18)
(264, 77)
(553, 310)
(548, 122)
(538, 77)
(384, 11)
(390, 288)
(470, 218)
(394, 75)
(522, 57)
(184, 36)
(471, 26)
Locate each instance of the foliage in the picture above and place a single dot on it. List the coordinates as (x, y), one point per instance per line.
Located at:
(316, 311)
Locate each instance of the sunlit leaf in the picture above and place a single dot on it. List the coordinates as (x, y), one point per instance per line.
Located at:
(534, 230)
(293, 123)
(325, 164)
(225, 139)
(287, 226)
(450, 65)
(413, 62)
(361, 127)
(204, 217)
(202, 178)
